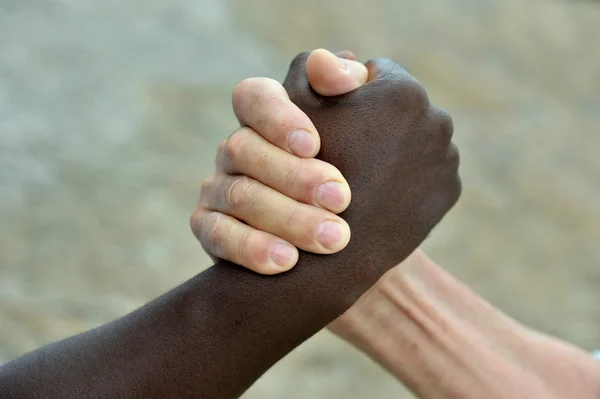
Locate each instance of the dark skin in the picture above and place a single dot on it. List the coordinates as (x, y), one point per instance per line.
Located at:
(216, 334)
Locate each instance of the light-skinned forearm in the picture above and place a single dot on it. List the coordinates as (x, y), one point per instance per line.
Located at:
(443, 341)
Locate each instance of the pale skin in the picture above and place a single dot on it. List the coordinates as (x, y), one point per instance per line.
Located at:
(426, 328)
(283, 177)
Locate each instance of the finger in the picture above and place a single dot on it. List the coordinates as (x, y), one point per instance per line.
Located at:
(227, 238)
(330, 75)
(304, 226)
(310, 181)
(263, 105)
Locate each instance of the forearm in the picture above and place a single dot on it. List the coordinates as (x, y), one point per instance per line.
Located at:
(211, 337)
(444, 341)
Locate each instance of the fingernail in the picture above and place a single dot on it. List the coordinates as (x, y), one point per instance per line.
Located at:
(302, 143)
(282, 254)
(330, 195)
(329, 234)
(354, 68)
(343, 63)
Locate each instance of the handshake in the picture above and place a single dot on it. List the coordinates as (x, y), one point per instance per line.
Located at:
(277, 221)
(376, 137)
(379, 140)
(384, 163)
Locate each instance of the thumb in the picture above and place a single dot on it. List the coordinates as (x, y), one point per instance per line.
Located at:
(330, 75)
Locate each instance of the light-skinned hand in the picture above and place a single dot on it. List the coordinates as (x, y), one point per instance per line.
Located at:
(268, 196)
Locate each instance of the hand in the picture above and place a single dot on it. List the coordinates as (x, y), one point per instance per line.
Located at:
(395, 150)
(325, 77)
(427, 182)
(269, 187)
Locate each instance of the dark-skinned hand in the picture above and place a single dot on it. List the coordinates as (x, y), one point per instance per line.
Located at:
(394, 148)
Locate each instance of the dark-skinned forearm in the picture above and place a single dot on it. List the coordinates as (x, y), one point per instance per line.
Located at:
(216, 334)
(211, 337)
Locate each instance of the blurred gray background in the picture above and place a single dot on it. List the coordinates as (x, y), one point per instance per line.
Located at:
(111, 111)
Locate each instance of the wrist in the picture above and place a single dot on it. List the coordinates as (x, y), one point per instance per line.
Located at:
(442, 340)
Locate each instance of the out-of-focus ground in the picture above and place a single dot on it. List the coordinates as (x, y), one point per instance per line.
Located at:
(111, 111)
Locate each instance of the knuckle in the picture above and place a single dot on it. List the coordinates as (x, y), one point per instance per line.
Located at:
(456, 189)
(273, 87)
(445, 126)
(412, 93)
(211, 240)
(234, 145)
(451, 190)
(207, 187)
(221, 148)
(241, 92)
(208, 183)
(239, 192)
(453, 158)
(452, 183)
(223, 162)
(438, 132)
(417, 95)
(448, 164)
(205, 226)
(196, 222)
(249, 92)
